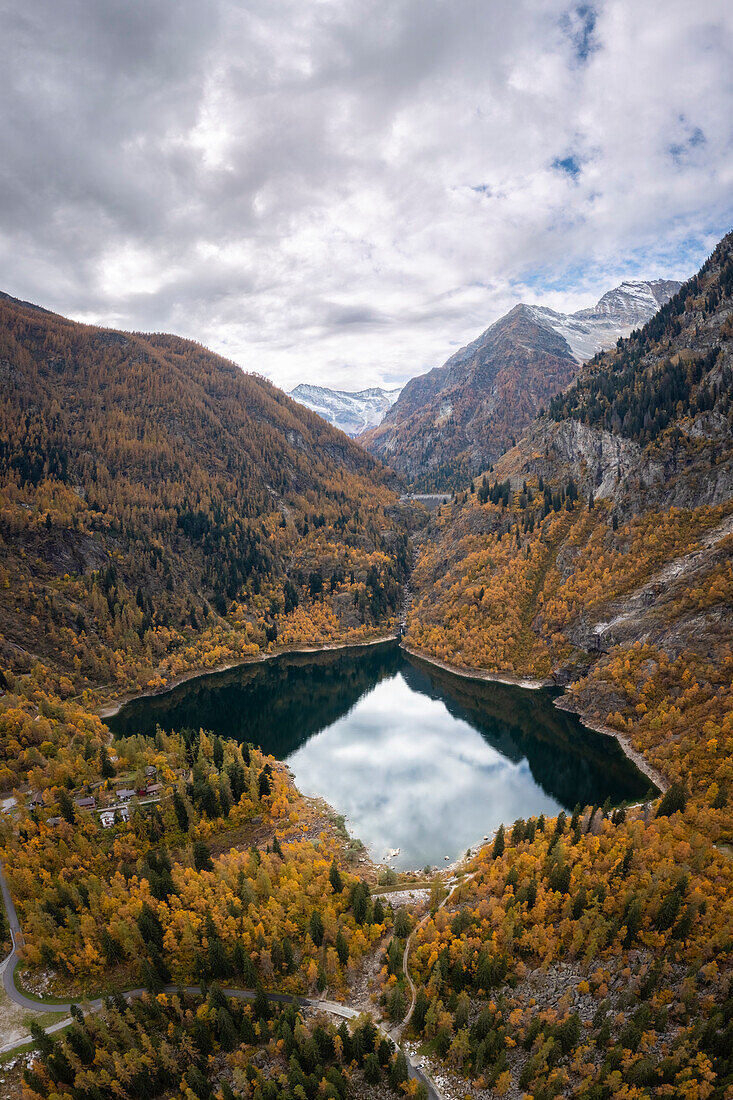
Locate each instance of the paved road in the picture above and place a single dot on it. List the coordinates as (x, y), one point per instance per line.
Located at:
(8, 971)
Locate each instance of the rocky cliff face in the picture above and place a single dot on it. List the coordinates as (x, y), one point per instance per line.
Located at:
(456, 419)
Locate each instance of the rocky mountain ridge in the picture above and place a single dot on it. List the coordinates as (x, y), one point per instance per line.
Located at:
(615, 315)
(449, 423)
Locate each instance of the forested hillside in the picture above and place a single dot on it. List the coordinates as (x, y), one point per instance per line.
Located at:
(588, 956)
(188, 1045)
(160, 510)
(639, 390)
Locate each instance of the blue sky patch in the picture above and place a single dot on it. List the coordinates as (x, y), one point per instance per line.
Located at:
(570, 165)
(680, 150)
(679, 259)
(579, 25)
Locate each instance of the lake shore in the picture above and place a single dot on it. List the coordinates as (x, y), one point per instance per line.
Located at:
(111, 709)
(479, 674)
(563, 702)
(636, 757)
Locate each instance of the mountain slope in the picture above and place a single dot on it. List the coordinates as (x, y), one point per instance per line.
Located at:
(645, 429)
(352, 412)
(457, 419)
(158, 505)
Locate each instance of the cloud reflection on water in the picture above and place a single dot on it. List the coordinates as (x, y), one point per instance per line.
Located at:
(407, 774)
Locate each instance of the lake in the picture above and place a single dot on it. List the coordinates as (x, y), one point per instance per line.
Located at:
(415, 758)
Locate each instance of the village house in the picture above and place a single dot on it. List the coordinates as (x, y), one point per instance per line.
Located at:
(107, 816)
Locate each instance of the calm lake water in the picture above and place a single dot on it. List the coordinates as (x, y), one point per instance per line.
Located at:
(414, 757)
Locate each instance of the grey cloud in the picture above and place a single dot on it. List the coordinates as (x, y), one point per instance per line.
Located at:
(362, 315)
(319, 190)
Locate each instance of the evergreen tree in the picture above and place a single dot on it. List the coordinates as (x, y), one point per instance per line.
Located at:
(202, 857)
(420, 1009)
(106, 766)
(402, 923)
(372, 1069)
(150, 927)
(111, 947)
(398, 1071)
(359, 901)
(43, 1042)
(66, 806)
(315, 927)
(261, 1004)
(673, 802)
(237, 780)
(342, 948)
(179, 807)
(334, 876)
(264, 786)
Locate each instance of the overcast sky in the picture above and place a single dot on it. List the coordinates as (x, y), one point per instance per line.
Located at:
(344, 191)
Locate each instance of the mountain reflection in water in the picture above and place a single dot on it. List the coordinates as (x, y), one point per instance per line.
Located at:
(414, 757)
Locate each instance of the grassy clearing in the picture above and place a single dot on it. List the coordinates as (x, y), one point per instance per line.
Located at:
(15, 1022)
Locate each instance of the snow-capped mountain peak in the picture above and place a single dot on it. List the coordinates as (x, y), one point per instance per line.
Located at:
(616, 314)
(352, 412)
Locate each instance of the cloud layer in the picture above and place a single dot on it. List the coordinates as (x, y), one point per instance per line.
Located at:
(341, 191)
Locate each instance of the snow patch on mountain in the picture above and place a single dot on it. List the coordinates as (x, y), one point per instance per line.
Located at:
(352, 412)
(616, 314)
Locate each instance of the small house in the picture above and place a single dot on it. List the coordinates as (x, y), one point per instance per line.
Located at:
(125, 794)
(107, 816)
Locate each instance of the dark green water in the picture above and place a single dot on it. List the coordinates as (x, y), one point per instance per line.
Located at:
(414, 757)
